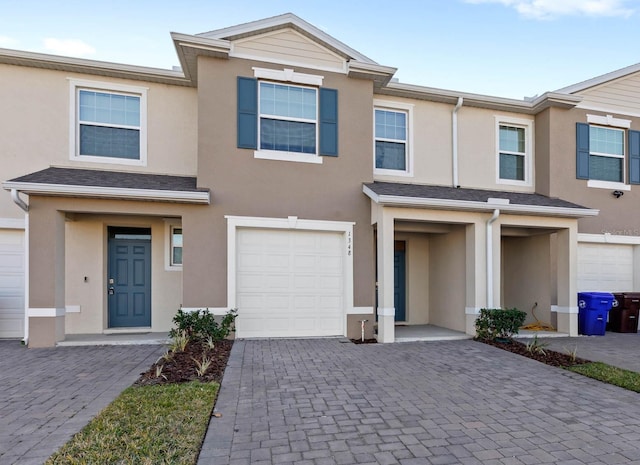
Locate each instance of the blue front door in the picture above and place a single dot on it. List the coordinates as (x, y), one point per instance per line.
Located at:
(399, 288)
(129, 277)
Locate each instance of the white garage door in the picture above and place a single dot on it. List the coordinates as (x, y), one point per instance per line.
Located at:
(605, 267)
(11, 283)
(289, 283)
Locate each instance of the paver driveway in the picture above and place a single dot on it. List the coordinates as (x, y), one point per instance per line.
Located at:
(458, 402)
(48, 395)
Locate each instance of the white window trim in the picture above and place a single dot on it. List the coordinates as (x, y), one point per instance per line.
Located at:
(609, 120)
(169, 224)
(600, 184)
(291, 222)
(280, 155)
(400, 107)
(74, 86)
(288, 75)
(528, 146)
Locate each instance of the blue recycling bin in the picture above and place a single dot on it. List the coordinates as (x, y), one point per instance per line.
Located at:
(593, 309)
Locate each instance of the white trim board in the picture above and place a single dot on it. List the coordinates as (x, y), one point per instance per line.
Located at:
(12, 223)
(50, 312)
(608, 238)
(289, 223)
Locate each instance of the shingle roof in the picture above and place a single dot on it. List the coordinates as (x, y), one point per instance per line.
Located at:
(113, 179)
(464, 194)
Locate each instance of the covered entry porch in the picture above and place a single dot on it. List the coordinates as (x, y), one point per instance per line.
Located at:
(469, 249)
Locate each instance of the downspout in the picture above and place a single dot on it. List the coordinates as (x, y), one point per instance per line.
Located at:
(454, 141)
(496, 214)
(15, 196)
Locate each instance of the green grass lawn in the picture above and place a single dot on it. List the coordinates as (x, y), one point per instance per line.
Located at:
(609, 374)
(161, 424)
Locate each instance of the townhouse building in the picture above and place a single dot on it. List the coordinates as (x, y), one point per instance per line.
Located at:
(282, 173)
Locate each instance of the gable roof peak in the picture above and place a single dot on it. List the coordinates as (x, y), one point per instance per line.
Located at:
(602, 79)
(283, 21)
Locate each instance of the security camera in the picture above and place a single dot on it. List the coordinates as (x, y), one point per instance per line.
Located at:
(618, 194)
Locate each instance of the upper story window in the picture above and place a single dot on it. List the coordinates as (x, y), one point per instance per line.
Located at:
(606, 150)
(392, 138)
(606, 154)
(108, 123)
(288, 116)
(514, 151)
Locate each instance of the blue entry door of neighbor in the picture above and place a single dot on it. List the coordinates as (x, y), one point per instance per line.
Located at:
(399, 275)
(129, 277)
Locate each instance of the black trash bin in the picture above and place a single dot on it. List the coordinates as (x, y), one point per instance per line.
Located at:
(623, 317)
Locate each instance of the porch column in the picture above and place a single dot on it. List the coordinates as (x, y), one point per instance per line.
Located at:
(567, 254)
(475, 275)
(46, 276)
(386, 310)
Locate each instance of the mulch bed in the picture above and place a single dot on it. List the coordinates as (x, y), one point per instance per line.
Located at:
(549, 357)
(181, 367)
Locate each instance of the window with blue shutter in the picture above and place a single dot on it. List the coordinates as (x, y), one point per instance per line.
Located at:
(278, 117)
(634, 157)
(601, 152)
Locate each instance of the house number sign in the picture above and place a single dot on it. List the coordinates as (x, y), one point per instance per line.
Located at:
(349, 243)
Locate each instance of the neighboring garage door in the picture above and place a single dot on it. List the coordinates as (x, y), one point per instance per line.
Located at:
(289, 283)
(605, 267)
(11, 283)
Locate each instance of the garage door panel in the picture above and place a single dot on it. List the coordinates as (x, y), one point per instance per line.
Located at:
(12, 270)
(605, 267)
(291, 285)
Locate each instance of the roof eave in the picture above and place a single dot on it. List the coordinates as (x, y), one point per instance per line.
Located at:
(530, 107)
(190, 47)
(65, 190)
(379, 74)
(466, 205)
(82, 65)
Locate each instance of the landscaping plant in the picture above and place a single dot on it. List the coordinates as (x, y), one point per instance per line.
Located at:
(499, 323)
(202, 325)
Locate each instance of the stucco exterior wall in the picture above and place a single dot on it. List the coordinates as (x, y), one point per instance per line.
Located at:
(614, 214)
(526, 262)
(417, 277)
(244, 186)
(35, 126)
(432, 135)
(447, 283)
(86, 255)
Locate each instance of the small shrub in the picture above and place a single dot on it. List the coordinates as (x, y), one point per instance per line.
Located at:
(499, 323)
(537, 347)
(201, 325)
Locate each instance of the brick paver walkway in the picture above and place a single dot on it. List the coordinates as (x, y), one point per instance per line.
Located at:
(48, 395)
(322, 402)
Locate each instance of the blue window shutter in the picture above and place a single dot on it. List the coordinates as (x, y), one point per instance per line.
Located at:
(247, 113)
(582, 151)
(328, 122)
(634, 157)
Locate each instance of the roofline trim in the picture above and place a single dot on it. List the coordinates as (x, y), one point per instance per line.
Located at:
(528, 106)
(596, 81)
(32, 188)
(282, 21)
(83, 65)
(468, 205)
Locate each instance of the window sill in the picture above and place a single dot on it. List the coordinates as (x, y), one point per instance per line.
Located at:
(514, 182)
(383, 172)
(110, 160)
(287, 156)
(173, 268)
(608, 185)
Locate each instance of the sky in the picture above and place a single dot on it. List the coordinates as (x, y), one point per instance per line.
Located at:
(504, 48)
